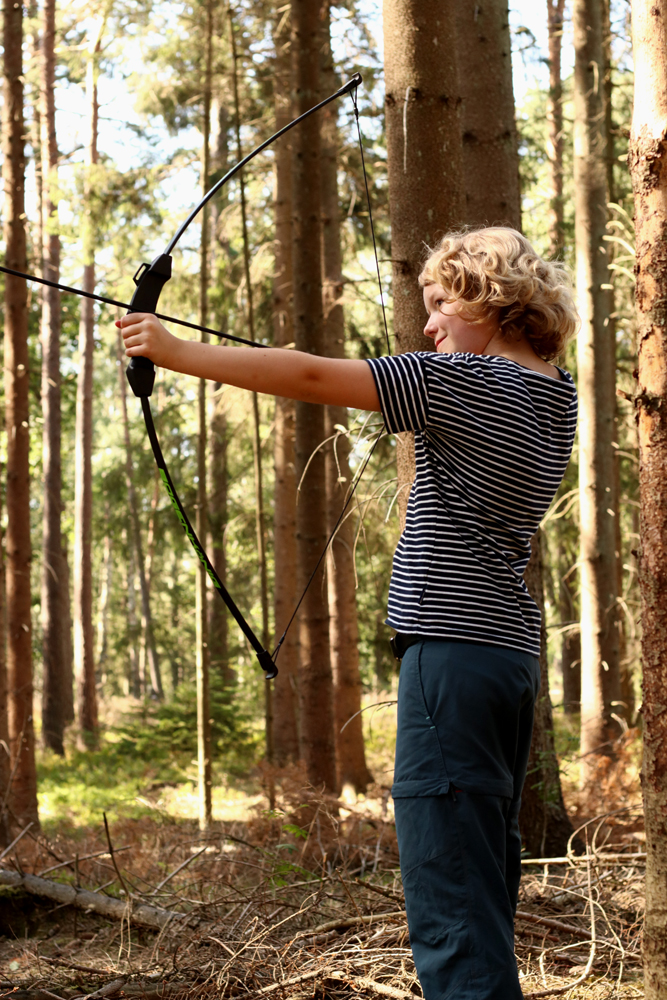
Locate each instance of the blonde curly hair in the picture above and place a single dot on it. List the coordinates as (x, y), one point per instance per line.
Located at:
(495, 273)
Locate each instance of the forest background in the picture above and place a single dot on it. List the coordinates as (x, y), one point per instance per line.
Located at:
(131, 110)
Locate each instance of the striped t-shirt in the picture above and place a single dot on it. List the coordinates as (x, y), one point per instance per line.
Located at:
(492, 442)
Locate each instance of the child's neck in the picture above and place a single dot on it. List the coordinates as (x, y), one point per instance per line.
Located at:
(521, 352)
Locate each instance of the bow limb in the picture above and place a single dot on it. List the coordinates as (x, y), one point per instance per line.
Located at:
(150, 279)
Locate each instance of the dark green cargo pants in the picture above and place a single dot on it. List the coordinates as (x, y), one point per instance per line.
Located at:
(465, 717)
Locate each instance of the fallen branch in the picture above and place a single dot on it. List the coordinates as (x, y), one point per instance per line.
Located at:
(555, 925)
(343, 922)
(292, 981)
(107, 991)
(92, 902)
(364, 983)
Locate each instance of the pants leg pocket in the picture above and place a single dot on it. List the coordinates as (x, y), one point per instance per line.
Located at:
(420, 767)
(436, 900)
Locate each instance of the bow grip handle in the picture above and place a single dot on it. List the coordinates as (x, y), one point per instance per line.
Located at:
(150, 279)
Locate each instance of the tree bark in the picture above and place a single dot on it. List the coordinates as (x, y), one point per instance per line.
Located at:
(84, 652)
(5, 761)
(555, 9)
(135, 538)
(103, 610)
(285, 695)
(422, 110)
(491, 181)
(133, 678)
(648, 168)
(256, 428)
(484, 51)
(68, 645)
(205, 781)
(341, 577)
(23, 792)
(53, 722)
(600, 679)
(315, 682)
(545, 824)
(217, 498)
(570, 642)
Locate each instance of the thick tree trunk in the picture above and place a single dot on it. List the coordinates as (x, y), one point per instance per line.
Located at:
(23, 794)
(5, 762)
(648, 167)
(600, 679)
(341, 578)
(84, 653)
(315, 685)
(285, 695)
(545, 824)
(484, 52)
(491, 171)
(555, 9)
(53, 722)
(424, 161)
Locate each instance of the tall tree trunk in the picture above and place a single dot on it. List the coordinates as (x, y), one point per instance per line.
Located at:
(217, 499)
(53, 722)
(315, 678)
(571, 637)
(5, 760)
(491, 171)
(68, 645)
(285, 695)
(133, 678)
(203, 666)
(135, 537)
(545, 824)
(555, 9)
(484, 51)
(84, 653)
(600, 680)
(422, 109)
(341, 577)
(37, 240)
(648, 168)
(23, 794)
(256, 440)
(103, 609)
(626, 707)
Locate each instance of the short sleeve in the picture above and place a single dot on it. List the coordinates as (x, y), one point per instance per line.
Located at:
(401, 384)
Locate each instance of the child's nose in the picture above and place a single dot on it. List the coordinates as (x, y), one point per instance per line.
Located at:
(430, 328)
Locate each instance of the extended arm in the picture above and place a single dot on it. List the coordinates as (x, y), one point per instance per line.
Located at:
(311, 379)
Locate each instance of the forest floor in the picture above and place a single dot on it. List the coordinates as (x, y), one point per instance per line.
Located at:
(304, 900)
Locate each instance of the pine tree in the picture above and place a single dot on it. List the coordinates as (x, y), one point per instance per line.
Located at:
(23, 793)
(648, 168)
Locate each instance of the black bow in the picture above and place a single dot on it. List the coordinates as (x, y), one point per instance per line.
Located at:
(150, 280)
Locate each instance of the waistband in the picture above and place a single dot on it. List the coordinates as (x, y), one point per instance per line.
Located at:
(401, 642)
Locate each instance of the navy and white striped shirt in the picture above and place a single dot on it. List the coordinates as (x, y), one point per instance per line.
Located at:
(492, 442)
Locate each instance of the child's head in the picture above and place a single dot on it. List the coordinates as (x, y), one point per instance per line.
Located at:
(495, 273)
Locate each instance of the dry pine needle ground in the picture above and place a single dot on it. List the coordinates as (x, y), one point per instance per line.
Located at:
(299, 904)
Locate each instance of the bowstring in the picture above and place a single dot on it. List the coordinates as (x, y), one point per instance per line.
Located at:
(125, 305)
(364, 464)
(353, 95)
